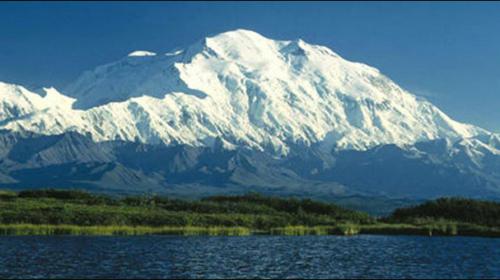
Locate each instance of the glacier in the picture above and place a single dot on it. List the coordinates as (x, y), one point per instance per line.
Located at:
(239, 90)
(239, 86)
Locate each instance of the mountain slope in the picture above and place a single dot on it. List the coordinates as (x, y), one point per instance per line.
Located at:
(238, 112)
(240, 87)
(424, 170)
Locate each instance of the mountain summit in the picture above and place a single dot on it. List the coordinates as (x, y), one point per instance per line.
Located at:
(241, 90)
(247, 90)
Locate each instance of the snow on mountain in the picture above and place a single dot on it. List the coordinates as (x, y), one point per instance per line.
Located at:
(141, 53)
(242, 89)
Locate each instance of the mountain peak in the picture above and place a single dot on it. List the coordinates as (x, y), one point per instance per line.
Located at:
(238, 33)
(247, 90)
(238, 110)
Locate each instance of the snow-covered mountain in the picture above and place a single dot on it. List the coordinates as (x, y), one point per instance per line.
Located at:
(241, 87)
(239, 90)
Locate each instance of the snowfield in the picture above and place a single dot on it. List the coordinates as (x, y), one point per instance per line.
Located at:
(242, 90)
(239, 112)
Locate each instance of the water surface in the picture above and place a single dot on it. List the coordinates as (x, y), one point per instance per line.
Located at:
(363, 256)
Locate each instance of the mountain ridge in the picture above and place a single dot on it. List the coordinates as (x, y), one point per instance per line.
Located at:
(236, 112)
(247, 90)
(72, 159)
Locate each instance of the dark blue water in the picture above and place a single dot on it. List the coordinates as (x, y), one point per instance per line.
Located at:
(249, 257)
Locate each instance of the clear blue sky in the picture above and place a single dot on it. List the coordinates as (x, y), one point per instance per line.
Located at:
(448, 52)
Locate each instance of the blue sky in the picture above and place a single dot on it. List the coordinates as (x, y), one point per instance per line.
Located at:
(447, 52)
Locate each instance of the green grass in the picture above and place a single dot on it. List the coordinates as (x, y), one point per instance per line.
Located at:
(436, 229)
(345, 230)
(250, 211)
(316, 230)
(432, 229)
(73, 212)
(30, 229)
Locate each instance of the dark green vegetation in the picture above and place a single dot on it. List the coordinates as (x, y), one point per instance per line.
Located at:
(479, 212)
(76, 212)
(458, 215)
(252, 211)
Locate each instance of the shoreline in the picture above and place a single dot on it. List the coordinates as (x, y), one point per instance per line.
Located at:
(340, 230)
(73, 212)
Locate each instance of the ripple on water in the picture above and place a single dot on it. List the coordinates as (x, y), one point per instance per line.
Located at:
(360, 256)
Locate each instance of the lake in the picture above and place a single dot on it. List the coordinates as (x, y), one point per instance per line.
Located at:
(362, 256)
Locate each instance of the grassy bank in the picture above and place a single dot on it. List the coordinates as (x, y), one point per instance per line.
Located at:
(317, 230)
(249, 211)
(30, 229)
(437, 229)
(344, 230)
(56, 212)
